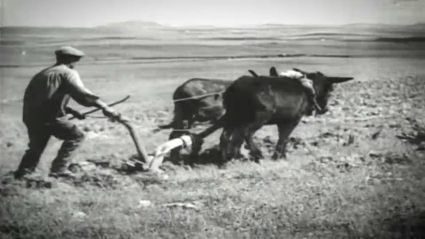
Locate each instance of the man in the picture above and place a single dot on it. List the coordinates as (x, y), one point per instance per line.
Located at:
(45, 108)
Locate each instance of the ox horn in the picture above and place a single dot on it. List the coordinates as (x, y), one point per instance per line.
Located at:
(339, 79)
(253, 73)
(164, 148)
(300, 71)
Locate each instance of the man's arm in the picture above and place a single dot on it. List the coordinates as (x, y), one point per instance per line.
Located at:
(85, 97)
(77, 90)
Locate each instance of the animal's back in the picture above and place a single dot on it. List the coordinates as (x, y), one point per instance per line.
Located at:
(190, 105)
(252, 84)
(240, 100)
(290, 98)
(247, 95)
(200, 86)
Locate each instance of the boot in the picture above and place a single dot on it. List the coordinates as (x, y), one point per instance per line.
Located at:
(61, 171)
(22, 173)
(62, 174)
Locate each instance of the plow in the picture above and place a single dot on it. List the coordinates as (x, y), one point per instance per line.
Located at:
(147, 162)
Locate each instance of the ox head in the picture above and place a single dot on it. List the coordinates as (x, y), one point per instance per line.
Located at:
(323, 85)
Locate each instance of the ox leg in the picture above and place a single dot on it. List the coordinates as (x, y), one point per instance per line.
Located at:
(225, 144)
(176, 133)
(255, 152)
(236, 143)
(194, 151)
(249, 132)
(285, 129)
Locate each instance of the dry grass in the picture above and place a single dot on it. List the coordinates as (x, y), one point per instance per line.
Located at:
(348, 177)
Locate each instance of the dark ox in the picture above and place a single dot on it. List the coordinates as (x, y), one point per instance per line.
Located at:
(198, 100)
(252, 102)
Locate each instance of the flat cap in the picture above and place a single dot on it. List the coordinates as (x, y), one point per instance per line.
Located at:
(68, 50)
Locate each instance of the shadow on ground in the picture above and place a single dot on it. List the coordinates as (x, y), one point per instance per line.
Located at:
(407, 226)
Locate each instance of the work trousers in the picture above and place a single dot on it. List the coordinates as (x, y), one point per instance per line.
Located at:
(39, 135)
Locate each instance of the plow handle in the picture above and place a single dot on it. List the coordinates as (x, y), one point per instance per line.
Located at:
(97, 109)
(141, 151)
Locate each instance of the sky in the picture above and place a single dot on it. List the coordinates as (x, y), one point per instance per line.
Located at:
(90, 13)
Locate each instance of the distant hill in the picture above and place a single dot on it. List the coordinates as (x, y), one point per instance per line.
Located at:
(417, 26)
(368, 25)
(133, 25)
(382, 31)
(154, 25)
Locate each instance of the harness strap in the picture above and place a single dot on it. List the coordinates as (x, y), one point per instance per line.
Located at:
(199, 96)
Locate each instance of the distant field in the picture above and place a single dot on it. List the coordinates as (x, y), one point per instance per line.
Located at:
(27, 46)
(349, 176)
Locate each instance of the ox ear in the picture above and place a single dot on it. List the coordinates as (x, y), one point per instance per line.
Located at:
(336, 80)
(273, 71)
(253, 73)
(300, 71)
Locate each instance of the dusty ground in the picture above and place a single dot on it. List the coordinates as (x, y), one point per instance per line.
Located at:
(347, 175)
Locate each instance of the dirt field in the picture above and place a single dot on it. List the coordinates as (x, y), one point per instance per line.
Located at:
(347, 174)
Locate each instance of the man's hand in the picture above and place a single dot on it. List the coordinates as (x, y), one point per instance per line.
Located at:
(79, 115)
(75, 113)
(107, 111)
(110, 113)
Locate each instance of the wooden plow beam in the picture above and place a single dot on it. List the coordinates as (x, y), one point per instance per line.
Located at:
(148, 163)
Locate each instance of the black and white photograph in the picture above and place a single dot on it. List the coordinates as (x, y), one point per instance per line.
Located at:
(212, 119)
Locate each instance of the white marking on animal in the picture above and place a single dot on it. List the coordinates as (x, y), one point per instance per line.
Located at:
(292, 74)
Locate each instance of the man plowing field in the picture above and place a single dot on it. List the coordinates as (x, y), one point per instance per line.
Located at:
(45, 109)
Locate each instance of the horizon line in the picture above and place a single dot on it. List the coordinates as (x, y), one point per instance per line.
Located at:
(207, 25)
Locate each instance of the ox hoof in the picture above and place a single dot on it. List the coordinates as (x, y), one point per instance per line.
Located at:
(188, 168)
(222, 166)
(161, 175)
(278, 156)
(158, 173)
(254, 159)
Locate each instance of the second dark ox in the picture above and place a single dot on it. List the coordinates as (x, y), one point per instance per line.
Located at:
(252, 102)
